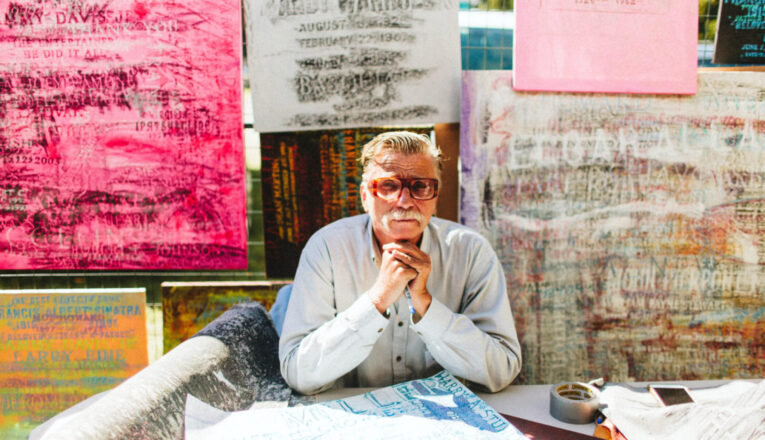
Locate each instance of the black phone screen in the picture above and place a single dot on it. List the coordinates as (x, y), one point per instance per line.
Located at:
(672, 396)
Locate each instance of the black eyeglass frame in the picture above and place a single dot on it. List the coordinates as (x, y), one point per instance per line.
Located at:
(373, 185)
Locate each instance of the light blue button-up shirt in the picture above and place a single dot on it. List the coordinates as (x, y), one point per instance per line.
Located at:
(333, 334)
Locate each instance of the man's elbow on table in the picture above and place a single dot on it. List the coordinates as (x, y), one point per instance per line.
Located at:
(301, 381)
(307, 389)
(498, 382)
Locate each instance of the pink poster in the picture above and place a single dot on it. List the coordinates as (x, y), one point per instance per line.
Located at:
(121, 135)
(610, 46)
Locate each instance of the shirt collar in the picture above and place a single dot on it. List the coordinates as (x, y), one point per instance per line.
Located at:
(427, 239)
(374, 253)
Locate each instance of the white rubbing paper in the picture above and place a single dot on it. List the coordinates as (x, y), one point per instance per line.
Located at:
(435, 408)
(322, 64)
(732, 411)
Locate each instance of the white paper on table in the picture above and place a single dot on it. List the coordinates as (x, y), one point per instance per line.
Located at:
(732, 411)
(435, 408)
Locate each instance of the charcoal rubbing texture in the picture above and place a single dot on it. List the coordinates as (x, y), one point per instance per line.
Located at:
(249, 333)
(115, 153)
(229, 364)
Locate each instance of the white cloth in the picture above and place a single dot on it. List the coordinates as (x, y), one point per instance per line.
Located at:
(333, 331)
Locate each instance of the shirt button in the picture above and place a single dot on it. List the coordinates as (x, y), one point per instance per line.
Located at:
(379, 330)
(401, 323)
(398, 358)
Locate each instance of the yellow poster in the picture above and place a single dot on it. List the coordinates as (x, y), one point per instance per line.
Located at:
(61, 346)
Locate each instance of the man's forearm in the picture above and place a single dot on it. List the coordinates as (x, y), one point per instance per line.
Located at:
(465, 350)
(312, 363)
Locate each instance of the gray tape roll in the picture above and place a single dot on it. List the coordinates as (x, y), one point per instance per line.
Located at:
(574, 402)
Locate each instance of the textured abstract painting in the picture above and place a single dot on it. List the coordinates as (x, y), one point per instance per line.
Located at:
(187, 307)
(631, 228)
(121, 135)
(61, 346)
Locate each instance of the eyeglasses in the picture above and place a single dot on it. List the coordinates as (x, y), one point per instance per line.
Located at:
(389, 188)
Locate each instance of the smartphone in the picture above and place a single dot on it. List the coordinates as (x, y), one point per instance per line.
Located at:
(670, 394)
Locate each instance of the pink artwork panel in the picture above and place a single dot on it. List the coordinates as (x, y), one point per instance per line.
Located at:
(610, 46)
(121, 135)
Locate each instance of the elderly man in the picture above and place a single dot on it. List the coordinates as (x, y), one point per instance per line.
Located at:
(395, 295)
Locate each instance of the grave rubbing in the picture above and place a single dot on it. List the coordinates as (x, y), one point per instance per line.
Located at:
(317, 65)
(61, 346)
(631, 228)
(121, 135)
(189, 306)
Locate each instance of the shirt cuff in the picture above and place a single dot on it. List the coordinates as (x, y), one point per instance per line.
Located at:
(363, 318)
(435, 321)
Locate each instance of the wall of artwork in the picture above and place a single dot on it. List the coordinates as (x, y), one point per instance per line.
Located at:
(630, 228)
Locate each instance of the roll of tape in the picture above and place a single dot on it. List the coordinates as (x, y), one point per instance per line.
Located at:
(574, 402)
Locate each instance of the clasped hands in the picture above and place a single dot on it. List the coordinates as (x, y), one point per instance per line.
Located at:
(403, 263)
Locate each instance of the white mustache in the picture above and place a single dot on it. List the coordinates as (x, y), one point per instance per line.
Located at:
(403, 214)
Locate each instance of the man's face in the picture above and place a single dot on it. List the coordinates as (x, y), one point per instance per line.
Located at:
(404, 218)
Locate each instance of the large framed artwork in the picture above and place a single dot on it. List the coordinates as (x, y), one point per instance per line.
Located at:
(121, 135)
(630, 227)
